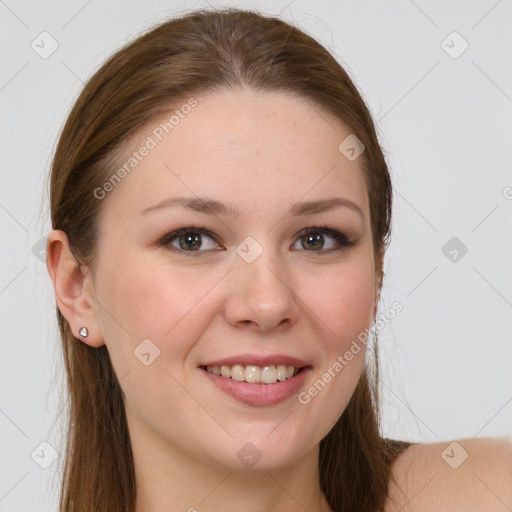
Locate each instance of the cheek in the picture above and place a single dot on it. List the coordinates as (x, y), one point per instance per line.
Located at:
(173, 307)
(152, 317)
(343, 302)
(156, 302)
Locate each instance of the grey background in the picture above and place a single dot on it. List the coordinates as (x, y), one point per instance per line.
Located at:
(445, 124)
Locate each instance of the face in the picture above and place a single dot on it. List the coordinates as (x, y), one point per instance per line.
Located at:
(278, 281)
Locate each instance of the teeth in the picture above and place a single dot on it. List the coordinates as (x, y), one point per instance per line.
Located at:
(254, 374)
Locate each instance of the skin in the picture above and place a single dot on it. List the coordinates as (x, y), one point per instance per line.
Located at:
(236, 146)
(480, 481)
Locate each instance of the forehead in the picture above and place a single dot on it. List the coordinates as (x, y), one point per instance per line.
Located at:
(250, 148)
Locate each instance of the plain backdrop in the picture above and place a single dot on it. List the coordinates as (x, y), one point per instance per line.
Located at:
(438, 81)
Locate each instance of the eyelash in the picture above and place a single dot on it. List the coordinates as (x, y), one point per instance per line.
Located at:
(342, 241)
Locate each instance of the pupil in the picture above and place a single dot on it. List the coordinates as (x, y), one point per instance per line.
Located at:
(191, 241)
(314, 239)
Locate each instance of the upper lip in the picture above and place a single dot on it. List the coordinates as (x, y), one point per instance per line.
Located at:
(258, 360)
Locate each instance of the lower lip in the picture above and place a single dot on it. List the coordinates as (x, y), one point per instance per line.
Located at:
(258, 394)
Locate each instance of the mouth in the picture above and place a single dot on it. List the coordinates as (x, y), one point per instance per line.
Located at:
(257, 381)
(255, 374)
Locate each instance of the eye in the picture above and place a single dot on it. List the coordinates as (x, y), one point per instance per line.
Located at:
(188, 240)
(313, 239)
(192, 240)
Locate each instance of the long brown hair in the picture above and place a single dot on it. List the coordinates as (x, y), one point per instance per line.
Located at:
(181, 57)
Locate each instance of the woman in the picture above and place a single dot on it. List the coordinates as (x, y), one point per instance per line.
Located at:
(221, 207)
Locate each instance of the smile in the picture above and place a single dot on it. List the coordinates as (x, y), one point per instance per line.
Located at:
(257, 393)
(254, 374)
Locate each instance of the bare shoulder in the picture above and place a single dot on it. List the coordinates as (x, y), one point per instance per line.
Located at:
(467, 474)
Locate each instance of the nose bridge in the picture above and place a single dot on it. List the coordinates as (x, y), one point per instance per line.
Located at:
(261, 270)
(262, 287)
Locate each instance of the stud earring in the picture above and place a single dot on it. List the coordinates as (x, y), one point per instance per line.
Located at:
(83, 332)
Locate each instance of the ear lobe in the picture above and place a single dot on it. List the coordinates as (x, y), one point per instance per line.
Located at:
(68, 277)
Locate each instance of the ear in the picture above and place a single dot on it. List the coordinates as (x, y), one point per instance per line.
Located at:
(69, 279)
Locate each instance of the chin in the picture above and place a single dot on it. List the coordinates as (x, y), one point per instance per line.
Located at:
(257, 453)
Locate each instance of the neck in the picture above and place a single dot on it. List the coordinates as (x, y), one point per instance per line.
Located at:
(168, 479)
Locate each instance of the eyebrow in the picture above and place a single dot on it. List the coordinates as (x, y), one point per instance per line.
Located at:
(213, 207)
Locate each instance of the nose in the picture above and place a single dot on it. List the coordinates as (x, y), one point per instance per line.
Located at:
(261, 295)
